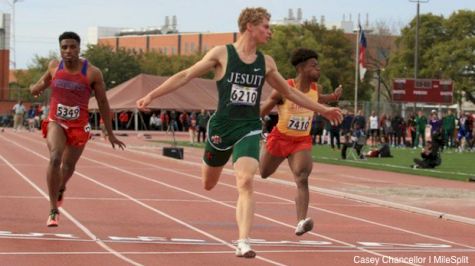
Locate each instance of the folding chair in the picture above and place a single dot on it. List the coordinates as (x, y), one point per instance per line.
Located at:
(361, 141)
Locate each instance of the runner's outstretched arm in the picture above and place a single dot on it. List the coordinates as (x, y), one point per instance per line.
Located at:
(206, 64)
(276, 80)
(45, 80)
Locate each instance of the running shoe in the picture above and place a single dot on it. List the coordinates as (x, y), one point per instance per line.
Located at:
(304, 226)
(53, 218)
(244, 249)
(60, 197)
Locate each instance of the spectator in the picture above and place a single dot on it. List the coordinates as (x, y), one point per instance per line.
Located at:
(335, 135)
(123, 119)
(448, 127)
(192, 129)
(18, 115)
(165, 119)
(173, 124)
(434, 122)
(318, 124)
(184, 117)
(155, 122)
(421, 123)
(412, 129)
(30, 118)
(397, 125)
(357, 142)
(202, 120)
(360, 120)
(373, 127)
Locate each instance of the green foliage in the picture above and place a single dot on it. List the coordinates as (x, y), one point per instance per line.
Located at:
(446, 50)
(334, 49)
(20, 89)
(117, 66)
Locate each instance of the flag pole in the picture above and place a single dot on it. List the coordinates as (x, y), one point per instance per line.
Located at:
(356, 69)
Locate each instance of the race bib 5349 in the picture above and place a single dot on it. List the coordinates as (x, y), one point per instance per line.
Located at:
(67, 112)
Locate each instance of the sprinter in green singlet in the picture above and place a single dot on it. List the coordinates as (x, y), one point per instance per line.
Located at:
(240, 71)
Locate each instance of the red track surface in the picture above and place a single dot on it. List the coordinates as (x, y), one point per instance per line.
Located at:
(137, 207)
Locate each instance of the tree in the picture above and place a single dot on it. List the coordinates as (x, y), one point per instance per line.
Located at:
(333, 48)
(34, 71)
(446, 48)
(117, 66)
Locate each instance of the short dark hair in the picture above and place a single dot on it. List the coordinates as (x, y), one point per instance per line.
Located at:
(301, 55)
(69, 35)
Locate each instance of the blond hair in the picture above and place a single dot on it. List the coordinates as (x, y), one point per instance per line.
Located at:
(252, 15)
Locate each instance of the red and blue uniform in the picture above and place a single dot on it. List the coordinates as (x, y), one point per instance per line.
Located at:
(70, 94)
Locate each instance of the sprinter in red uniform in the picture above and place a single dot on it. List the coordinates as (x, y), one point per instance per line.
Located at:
(67, 129)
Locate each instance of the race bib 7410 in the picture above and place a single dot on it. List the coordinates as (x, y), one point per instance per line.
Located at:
(299, 123)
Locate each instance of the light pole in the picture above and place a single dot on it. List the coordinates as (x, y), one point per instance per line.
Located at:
(416, 43)
(12, 5)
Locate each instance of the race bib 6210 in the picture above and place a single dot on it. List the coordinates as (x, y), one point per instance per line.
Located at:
(243, 95)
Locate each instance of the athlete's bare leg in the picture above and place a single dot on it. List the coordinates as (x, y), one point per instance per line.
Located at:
(210, 175)
(71, 156)
(56, 140)
(268, 163)
(245, 168)
(301, 165)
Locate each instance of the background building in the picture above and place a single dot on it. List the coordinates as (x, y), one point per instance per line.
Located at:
(4, 54)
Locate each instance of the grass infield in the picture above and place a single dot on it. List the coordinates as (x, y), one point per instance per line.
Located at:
(455, 165)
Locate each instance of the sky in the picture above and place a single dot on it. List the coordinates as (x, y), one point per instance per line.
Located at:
(40, 22)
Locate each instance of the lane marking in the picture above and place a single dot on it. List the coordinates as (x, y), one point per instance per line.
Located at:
(138, 202)
(290, 201)
(70, 217)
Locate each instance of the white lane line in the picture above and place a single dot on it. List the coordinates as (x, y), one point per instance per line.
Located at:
(280, 251)
(283, 199)
(70, 217)
(220, 202)
(141, 203)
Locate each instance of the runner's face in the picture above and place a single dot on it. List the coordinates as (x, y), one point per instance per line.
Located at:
(311, 69)
(262, 31)
(69, 50)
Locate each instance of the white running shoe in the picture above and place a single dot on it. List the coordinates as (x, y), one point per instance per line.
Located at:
(304, 226)
(244, 249)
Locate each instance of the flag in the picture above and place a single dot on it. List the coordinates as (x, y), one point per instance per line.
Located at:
(361, 53)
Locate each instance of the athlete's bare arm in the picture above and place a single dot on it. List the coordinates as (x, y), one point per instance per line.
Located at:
(99, 87)
(332, 97)
(274, 99)
(45, 80)
(213, 60)
(276, 80)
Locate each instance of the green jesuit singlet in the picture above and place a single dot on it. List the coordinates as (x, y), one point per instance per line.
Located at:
(240, 89)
